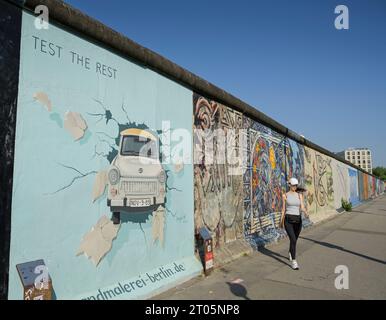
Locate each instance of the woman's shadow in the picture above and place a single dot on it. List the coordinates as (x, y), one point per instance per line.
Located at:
(278, 257)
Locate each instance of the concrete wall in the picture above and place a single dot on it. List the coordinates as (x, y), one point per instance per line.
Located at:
(270, 159)
(10, 29)
(319, 184)
(354, 187)
(69, 119)
(264, 182)
(74, 99)
(218, 193)
(341, 180)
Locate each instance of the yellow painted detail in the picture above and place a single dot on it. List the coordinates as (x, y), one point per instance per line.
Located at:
(138, 132)
(272, 157)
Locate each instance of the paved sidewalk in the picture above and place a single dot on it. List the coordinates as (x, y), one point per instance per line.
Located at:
(356, 240)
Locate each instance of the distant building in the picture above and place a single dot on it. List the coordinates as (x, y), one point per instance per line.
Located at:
(359, 156)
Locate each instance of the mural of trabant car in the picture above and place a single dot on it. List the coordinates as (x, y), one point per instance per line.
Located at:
(136, 178)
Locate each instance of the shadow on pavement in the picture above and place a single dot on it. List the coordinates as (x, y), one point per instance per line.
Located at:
(273, 255)
(238, 290)
(333, 246)
(373, 214)
(363, 231)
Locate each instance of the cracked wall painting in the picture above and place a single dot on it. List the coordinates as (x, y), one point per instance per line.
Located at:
(77, 168)
(217, 189)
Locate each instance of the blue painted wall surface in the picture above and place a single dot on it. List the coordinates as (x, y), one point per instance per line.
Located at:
(354, 188)
(54, 175)
(265, 182)
(272, 159)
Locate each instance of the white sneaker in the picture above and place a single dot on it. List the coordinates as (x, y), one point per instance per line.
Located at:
(294, 265)
(289, 256)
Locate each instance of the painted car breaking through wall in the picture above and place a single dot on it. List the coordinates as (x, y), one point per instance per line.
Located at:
(93, 191)
(85, 199)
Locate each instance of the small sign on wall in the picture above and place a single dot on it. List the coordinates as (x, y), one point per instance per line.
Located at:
(205, 246)
(36, 281)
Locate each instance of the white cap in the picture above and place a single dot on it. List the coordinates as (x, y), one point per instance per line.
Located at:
(293, 182)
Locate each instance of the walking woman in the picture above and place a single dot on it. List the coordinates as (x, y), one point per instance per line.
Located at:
(291, 218)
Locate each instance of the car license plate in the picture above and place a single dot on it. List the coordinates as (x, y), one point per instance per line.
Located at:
(140, 203)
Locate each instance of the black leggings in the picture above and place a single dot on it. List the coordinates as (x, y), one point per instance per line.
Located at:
(293, 231)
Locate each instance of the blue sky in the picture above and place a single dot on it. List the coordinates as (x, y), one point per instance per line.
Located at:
(283, 57)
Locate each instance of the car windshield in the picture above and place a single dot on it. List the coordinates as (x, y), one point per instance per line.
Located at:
(139, 146)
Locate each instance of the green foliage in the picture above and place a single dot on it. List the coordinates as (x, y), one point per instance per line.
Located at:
(380, 172)
(346, 205)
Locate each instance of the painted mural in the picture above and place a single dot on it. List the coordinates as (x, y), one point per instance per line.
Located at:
(97, 196)
(370, 186)
(373, 187)
(319, 183)
(264, 183)
(96, 200)
(354, 187)
(361, 186)
(295, 156)
(218, 190)
(366, 186)
(341, 182)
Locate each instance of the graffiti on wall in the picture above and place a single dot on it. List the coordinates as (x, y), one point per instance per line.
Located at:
(218, 191)
(295, 156)
(341, 182)
(319, 182)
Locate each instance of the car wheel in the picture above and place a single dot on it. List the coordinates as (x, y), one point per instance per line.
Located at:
(116, 218)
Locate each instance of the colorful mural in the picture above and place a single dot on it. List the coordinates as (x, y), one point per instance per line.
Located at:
(96, 195)
(354, 187)
(362, 189)
(373, 187)
(264, 182)
(295, 156)
(367, 186)
(218, 190)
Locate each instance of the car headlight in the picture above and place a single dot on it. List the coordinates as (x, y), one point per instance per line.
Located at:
(162, 177)
(114, 176)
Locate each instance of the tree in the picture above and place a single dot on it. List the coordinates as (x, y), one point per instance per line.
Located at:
(380, 172)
